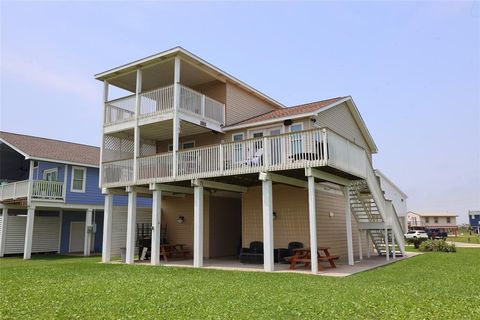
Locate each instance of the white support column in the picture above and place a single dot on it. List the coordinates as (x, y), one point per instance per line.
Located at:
(107, 228)
(87, 244)
(369, 245)
(136, 137)
(156, 226)
(393, 245)
(3, 231)
(267, 225)
(198, 226)
(360, 249)
(64, 189)
(131, 225)
(30, 182)
(27, 251)
(387, 249)
(348, 225)
(176, 107)
(312, 214)
(104, 108)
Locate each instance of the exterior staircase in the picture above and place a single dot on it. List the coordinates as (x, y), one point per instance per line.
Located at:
(374, 214)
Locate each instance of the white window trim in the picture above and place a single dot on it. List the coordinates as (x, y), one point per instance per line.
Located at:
(238, 134)
(47, 171)
(293, 124)
(84, 179)
(266, 128)
(185, 142)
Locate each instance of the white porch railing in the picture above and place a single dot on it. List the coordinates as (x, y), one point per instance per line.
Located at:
(14, 190)
(160, 101)
(157, 101)
(119, 172)
(313, 148)
(120, 110)
(47, 190)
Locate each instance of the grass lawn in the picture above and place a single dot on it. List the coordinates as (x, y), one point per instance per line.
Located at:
(466, 239)
(430, 286)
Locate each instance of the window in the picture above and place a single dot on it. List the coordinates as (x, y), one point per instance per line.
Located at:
(427, 220)
(296, 139)
(79, 176)
(35, 164)
(188, 145)
(50, 174)
(449, 220)
(237, 147)
(435, 219)
(170, 148)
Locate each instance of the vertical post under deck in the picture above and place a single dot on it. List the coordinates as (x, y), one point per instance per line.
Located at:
(267, 225)
(387, 249)
(131, 226)
(156, 226)
(348, 225)
(107, 228)
(312, 214)
(198, 226)
(3, 231)
(27, 252)
(88, 233)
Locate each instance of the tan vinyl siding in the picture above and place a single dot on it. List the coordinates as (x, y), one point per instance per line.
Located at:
(215, 90)
(341, 120)
(172, 208)
(291, 206)
(242, 105)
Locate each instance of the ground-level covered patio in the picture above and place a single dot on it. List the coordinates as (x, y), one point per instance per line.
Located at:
(343, 269)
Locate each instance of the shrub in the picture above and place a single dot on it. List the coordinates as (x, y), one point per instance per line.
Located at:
(416, 241)
(437, 246)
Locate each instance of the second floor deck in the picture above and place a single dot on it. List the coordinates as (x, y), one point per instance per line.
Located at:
(295, 150)
(40, 190)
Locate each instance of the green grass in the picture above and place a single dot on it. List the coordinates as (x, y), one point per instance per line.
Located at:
(466, 239)
(429, 286)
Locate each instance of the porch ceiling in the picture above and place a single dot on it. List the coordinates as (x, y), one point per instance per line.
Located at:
(161, 74)
(164, 130)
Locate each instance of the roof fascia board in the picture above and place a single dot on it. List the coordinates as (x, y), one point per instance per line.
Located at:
(62, 161)
(361, 124)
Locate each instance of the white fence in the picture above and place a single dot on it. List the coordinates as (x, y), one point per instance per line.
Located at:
(157, 101)
(14, 190)
(312, 148)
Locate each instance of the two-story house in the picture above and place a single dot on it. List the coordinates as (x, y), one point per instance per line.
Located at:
(474, 220)
(239, 167)
(444, 221)
(49, 197)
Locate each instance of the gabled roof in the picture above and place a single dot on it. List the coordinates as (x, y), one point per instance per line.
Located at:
(37, 148)
(306, 110)
(302, 109)
(434, 214)
(188, 56)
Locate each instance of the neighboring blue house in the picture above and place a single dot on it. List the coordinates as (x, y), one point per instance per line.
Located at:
(474, 218)
(50, 197)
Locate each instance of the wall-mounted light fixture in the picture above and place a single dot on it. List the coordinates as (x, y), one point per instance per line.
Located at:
(274, 215)
(330, 214)
(180, 219)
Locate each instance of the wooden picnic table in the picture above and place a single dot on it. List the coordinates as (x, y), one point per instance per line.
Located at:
(303, 255)
(169, 250)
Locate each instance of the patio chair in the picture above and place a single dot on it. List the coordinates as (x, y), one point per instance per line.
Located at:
(256, 160)
(253, 254)
(285, 253)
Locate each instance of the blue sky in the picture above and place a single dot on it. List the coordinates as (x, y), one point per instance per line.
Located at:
(413, 69)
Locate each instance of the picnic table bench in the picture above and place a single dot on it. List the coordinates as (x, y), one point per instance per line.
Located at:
(169, 250)
(303, 255)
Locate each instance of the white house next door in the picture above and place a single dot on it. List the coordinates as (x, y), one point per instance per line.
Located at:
(77, 236)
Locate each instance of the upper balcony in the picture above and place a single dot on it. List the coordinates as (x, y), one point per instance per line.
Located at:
(158, 105)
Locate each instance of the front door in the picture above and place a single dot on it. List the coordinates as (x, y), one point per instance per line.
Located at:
(77, 236)
(275, 152)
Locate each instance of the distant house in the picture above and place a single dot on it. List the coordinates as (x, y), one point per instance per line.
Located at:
(474, 219)
(50, 200)
(439, 220)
